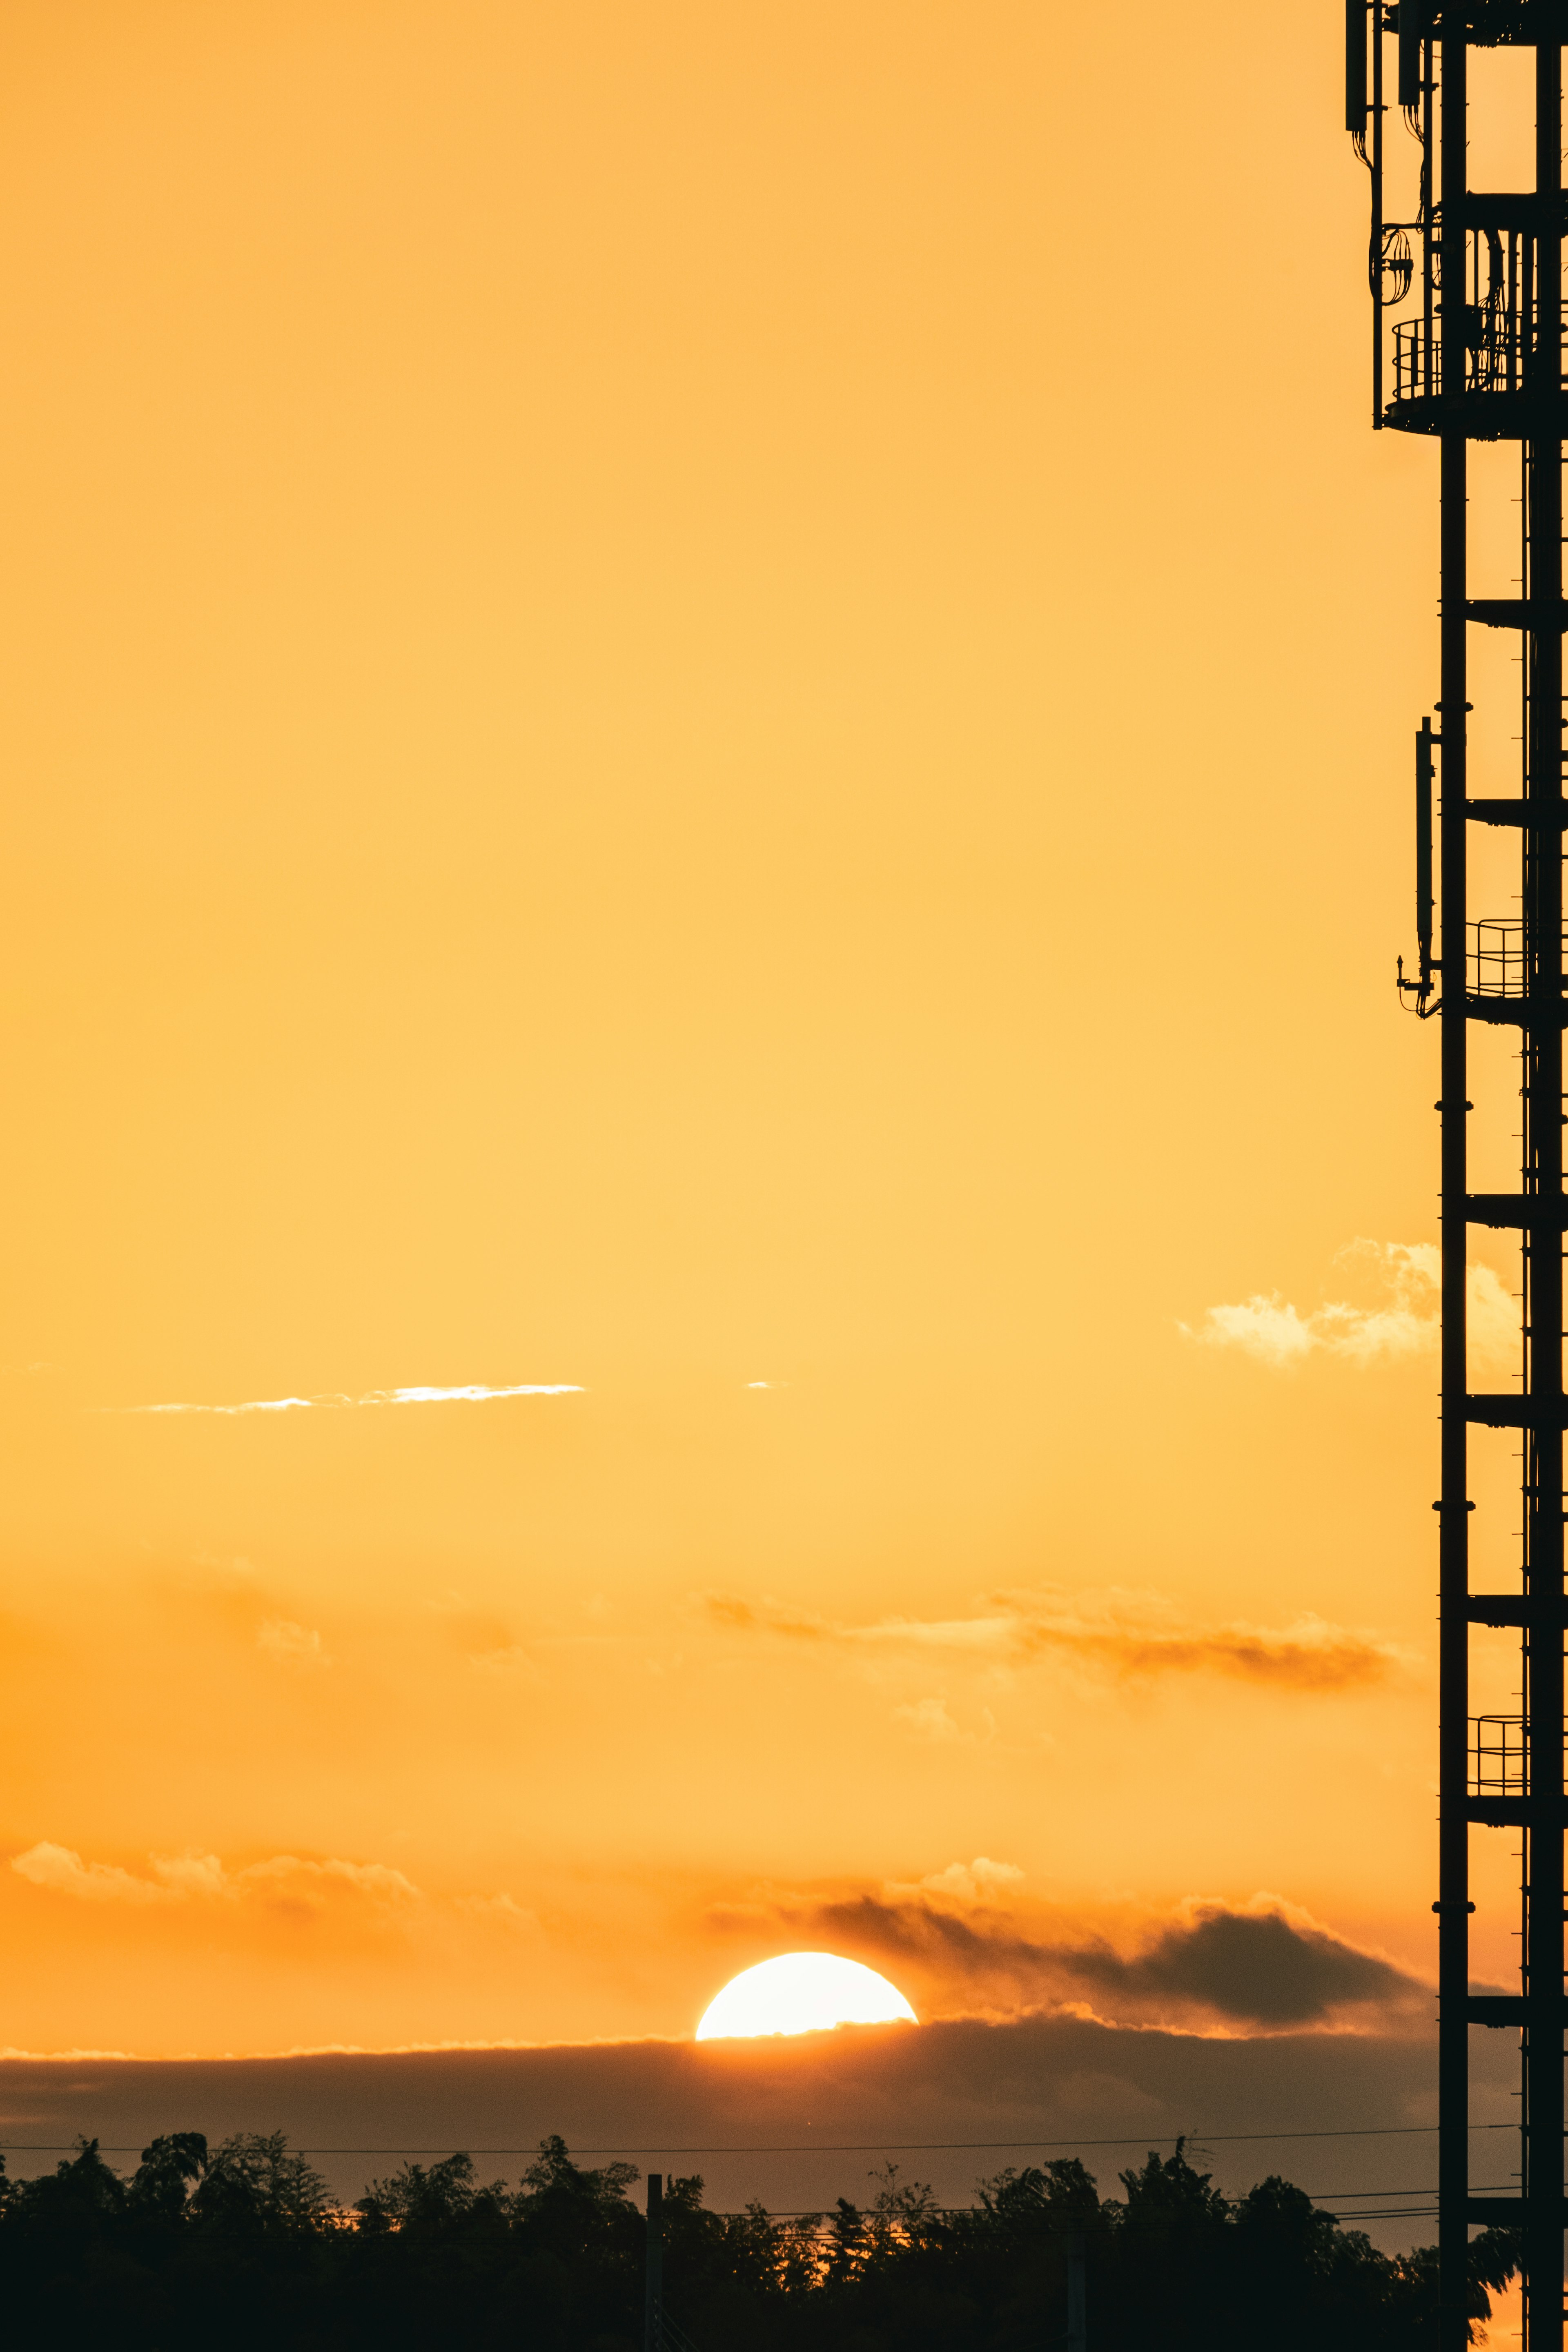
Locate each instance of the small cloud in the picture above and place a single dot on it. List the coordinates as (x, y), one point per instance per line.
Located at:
(980, 1880)
(500, 1907)
(1128, 1634)
(291, 1644)
(513, 1658)
(767, 1384)
(766, 1615)
(1401, 1319)
(193, 1877)
(726, 1609)
(1309, 1653)
(236, 1568)
(63, 1872)
(473, 1394)
(193, 1874)
(260, 1404)
(929, 1719)
(288, 1872)
(1265, 1326)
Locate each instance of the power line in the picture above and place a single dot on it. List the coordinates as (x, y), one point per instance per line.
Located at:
(1322, 2197)
(842, 2147)
(1343, 2196)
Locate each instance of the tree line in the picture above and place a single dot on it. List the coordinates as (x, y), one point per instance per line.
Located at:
(243, 2244)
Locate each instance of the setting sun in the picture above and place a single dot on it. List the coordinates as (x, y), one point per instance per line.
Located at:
(801, 1992)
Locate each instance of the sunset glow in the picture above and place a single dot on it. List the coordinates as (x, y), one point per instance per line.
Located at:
(677, 1280)
(801, 1992)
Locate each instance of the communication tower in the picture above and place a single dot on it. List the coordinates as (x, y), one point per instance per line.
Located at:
(1467, 300)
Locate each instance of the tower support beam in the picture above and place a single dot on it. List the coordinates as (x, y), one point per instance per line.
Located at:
(1469, 346)
(1454, 1517)
(1542, 895)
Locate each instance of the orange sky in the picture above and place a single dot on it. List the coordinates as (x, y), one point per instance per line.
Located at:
(710, 704)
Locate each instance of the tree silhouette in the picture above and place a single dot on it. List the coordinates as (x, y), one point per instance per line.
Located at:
(242, 2244)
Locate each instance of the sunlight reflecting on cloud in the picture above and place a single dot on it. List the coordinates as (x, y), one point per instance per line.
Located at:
(474, 1394)
(974, 1882)
(1263, 1965)
(1402, 1322)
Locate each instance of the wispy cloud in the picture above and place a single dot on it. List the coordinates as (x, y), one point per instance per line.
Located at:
(1126, 1633)
(291, 1644)
(929, 1719)
(1400, 1318)
(65, 1873)
(980, 1880)
(474, 1394)
(182, 1878)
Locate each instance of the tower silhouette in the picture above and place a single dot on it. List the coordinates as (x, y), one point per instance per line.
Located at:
(1467, 295)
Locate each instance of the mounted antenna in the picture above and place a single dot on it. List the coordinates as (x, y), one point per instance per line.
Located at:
(1420, 988)
(1356, 73)
(1409, 55)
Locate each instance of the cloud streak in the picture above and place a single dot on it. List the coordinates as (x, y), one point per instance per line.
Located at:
(1128, 1634)
(1403, 1319)
(474, 1394)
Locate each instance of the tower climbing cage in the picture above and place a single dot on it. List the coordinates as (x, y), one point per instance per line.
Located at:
(1467, 346)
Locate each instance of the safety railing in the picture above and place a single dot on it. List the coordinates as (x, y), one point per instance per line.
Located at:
(1500, 1755)
(1417, 374)
(1498, 956)
(1498, 348)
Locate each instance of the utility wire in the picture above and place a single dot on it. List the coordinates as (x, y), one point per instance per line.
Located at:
(1324, 2197)
(844, 2148)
